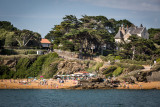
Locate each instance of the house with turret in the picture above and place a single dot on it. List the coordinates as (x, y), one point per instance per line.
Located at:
(124, 33)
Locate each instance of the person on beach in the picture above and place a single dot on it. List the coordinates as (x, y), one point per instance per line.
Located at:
(51, 84)
(140, 86)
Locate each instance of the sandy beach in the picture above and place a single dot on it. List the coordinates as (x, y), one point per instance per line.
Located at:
(37, 84)
(54, 84)
(140, 85)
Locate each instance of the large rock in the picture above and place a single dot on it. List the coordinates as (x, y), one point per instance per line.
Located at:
(155, 76)
(69, 67)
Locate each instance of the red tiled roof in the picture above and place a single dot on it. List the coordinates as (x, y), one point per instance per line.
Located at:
(45, 41)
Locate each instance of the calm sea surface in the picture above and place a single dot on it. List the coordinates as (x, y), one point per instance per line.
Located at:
(79, 98)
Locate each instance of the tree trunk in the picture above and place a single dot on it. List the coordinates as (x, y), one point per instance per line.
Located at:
(133, 47)
(80, 50)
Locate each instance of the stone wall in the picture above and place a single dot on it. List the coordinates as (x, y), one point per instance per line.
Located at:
(66, 54)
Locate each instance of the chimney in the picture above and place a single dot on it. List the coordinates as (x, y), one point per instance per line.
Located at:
(141, 25)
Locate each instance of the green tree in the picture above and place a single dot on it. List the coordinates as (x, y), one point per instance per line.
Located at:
(143, 49)
(156, 38)
(7, 26)
(25, 36)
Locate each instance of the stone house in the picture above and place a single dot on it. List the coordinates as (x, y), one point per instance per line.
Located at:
(124, 33)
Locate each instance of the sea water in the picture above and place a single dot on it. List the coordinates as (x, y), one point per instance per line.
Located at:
(79, 98)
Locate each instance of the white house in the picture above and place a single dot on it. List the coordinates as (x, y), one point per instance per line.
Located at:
(45, 43)
(124, 33)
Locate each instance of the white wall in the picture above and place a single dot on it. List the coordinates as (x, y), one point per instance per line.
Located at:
(45, 45)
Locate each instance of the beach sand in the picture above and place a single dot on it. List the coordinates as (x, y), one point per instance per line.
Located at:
(141, 85)
(23, 84)
(54, 84)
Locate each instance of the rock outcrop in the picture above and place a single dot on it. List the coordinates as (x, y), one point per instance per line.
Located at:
(69, 67)
(96, 83)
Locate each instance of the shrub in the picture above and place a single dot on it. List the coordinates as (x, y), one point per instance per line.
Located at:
(123, 65)
(156, 67)
(55, 46)
(118, 57)
(135, 67)
(21, 67)
(130, 67)
(49, 67)
(98, 65)
(93, 66)
(67, 45)
(8, 52)
(158, 60)
(45, 65)
(118, 71)
(103, 58)
(5, 72)
(110, 69)
(36, 67)
(109, 75)
(31, 52)
(107, 58)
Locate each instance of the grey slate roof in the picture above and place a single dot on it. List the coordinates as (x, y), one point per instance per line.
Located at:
(119, 35)
(131, 30)
(136, 30)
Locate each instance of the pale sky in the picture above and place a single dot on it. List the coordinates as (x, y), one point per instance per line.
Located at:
(41, 15)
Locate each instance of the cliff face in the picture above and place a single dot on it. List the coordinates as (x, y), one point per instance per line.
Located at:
(60, 66)
(69, 67)
(11, 61)
(155, 76)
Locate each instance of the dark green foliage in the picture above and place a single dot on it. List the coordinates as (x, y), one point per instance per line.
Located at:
(135, 67)
(113, 71)
(130, 67)
(36, 66)
(158, 60)
(67, 45)
(45, 65)
(11, 36)
(108, 75)
(31, 52)
(98, 65)
(21, 68)
(5, 72)
(156, 38)
(42, 65)
(27, 38)
(80, 34)
(8, 52)
(7, 26)
(51, 70)
(110, 69)
(152, 32)
(144, 49)
(118, 71)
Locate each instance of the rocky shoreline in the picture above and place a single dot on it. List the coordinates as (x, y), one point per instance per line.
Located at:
(114, 84)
